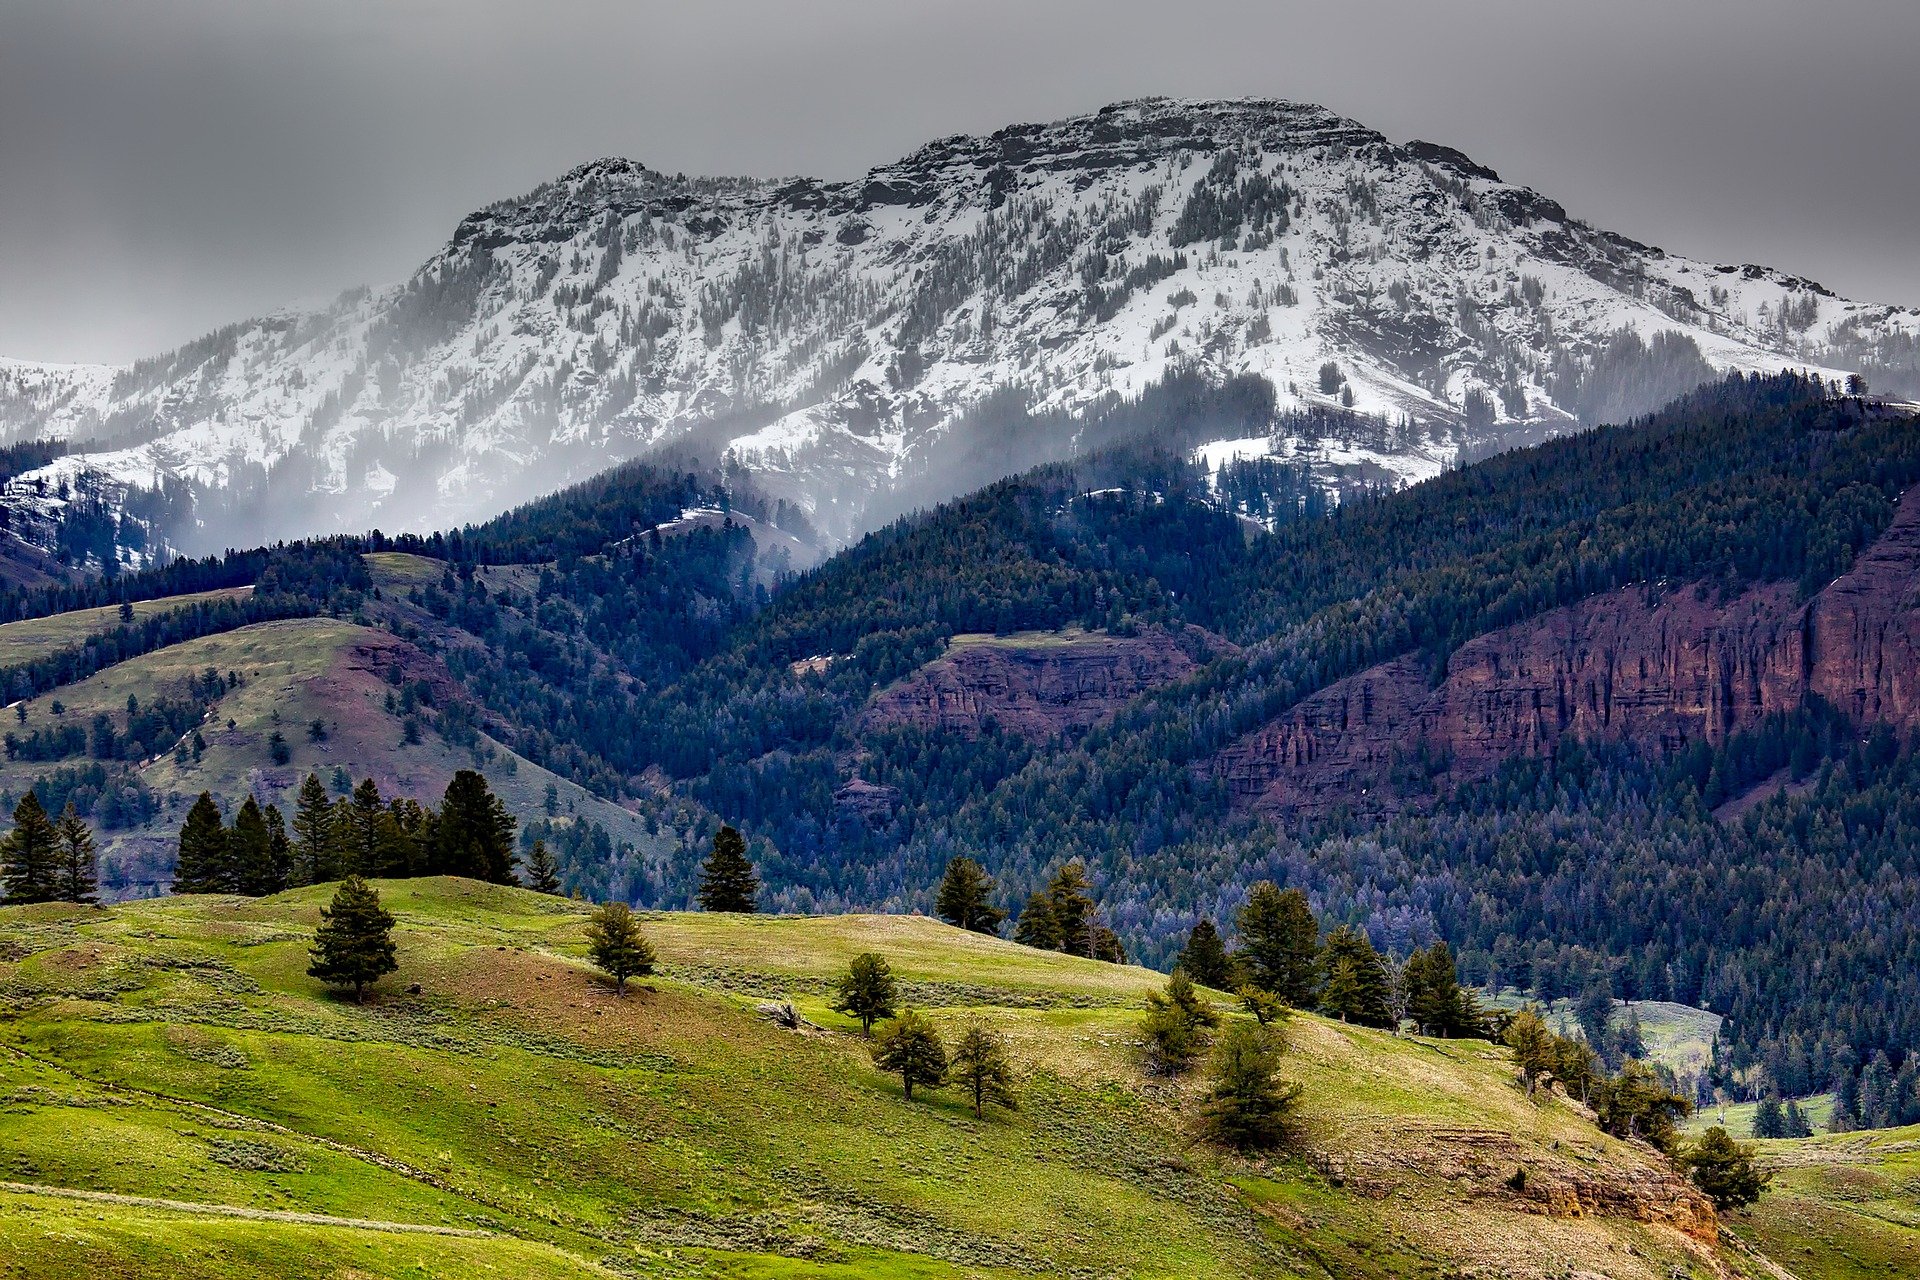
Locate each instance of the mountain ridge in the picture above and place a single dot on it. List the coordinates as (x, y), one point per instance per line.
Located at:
(839, 342)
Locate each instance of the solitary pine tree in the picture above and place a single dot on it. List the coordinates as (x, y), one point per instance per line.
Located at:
(910, 1048)
(1280, 940)
(1205, 958)
(1247, 1105)
(203, 865)
(1724, 1170)
(727, 881)
(617, 945)
(867, 991)
(29, 856)
(313, 843)
(78, 866)
(543, 874)
(966, 897)
(982, 1066)
(475, 832)
(354, 944)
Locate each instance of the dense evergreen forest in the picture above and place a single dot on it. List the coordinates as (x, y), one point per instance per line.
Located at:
(675, 671)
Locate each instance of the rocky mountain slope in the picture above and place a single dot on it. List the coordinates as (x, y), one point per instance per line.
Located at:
(1656, 667)
(851, 343)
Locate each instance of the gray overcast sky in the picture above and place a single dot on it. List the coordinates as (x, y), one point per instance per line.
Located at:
(171, 165)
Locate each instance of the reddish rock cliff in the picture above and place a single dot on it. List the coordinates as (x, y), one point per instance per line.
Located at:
(1656, 667)
(1038, 686)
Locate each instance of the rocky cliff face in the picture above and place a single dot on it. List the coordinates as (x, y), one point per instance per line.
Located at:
(1656, 666)
(1037, 687)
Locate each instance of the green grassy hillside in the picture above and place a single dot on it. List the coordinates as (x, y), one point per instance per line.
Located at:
(1843, 1207)
(291, 673)
(37, 637)
(177, 1098)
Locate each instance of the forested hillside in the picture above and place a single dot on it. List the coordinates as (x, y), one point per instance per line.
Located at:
(1088, 661)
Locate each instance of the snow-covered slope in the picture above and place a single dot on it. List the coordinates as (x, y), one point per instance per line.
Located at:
(831, 336)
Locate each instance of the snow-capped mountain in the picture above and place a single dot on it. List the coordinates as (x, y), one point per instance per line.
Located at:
(831, 337)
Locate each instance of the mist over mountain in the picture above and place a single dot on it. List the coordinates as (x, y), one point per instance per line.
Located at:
(861, 348)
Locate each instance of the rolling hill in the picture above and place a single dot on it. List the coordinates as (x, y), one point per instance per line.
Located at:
(180, 1100)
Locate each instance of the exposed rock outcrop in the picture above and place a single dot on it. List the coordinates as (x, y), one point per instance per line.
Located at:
(1038, 686)
(1655, 666)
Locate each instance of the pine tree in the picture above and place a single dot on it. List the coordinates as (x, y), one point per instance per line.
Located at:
(982, 1067)
(1205, 958)
(867, 992)
(250, 850)
(1247, 1105)
(354, 944)
(1532, 1044)
(966, 898)
(1357, 988)
(279, 851)
(617, 945)
(1036, 927)
(910, 1048)
(475, 832)
(1724, 1170)
(1070, 903)
(1634, 1104)
(29, 856)
(1795, 1123)
(728, 881)
(1768, 1120)
(1436, 1002)
(1281, 943)
(1176, 1026)
(77, 877)
(543, 874)
(203, 865)
(359, 836)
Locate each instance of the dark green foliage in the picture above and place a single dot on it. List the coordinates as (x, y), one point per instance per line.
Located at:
(966, 898)
(353, 946)
(250, 852)
(1280, 944)
(1435, 1000)
(204, 865)
(1247, 1104)
(1176, 1026)
(617, 945)
(1356, 987)
(543, 874)
(728, 881)
(983, 1068)
(76, 864)
(867, 991)
(313, 835)
(1635, 1104)
(1205, 958)
(1768, 1119)
(1724, 1170)
(30, 855)
(910, 1048)
(1036, 927)
(474, 836)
